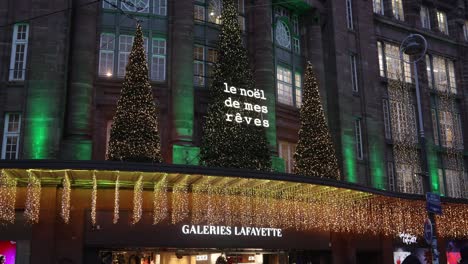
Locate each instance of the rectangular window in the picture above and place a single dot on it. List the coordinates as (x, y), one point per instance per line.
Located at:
(378, 7)
(297, 46)
(397, 8)
(158, 60)
(19, 51)
(11, 136)
(284, 85)
(450, 129)
(106, 54)
(381, 58)
(286, 152)
(442, 74)
(391, 176)
(408, 181)
(349, 14)
(425, 17)
(403, 122)
(295, 24)
(141, 6)
(434, 126)
(298, 89)
(160, 7)
(109, 4)
(210, 62)
(199, 13)
(386, 116)
(358, 138)
(199, 65)
(465, 30)
(442, 22)
(125, 47)
(454, 182)
(395, 68)
(354, 76)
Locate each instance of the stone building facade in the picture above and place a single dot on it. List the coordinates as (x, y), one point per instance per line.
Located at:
(62, 64)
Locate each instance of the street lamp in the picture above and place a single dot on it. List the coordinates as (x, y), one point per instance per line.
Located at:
(415, 46)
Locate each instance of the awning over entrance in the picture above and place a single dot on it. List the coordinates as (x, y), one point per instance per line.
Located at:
(209, 196)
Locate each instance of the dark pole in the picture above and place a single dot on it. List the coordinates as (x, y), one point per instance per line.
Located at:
(422, 138)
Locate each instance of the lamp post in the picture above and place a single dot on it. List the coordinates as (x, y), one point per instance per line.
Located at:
(415, 45)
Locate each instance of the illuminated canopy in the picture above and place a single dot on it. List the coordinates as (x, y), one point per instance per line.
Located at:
(198, 195)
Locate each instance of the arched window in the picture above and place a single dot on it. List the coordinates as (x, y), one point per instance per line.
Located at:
(214, 11)
(283, 35)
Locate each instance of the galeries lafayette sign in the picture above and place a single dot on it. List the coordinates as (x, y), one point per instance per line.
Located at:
(231, 231)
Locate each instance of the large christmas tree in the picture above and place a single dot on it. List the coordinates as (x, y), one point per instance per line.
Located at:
(315, 154)
(134, 133)
(227, 143)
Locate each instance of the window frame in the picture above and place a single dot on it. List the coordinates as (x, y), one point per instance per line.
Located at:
(290, 150)
(157, 55)
(6, 134)
(386, 60)
(358, 139)
(397, 10)
(378, 7)
(14, 60)
(442, 22)
(425, 17)
(354, 73)
(349, 15)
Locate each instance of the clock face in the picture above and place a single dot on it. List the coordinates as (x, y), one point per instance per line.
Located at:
(136, 5)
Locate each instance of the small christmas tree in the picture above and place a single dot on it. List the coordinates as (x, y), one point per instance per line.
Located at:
(134, 133)
(315, 154)
(228, 143)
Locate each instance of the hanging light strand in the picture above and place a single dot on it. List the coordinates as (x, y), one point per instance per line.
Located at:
(115, 219)
(138, 200)
(7, 197)
(94, 200)
(160, 203)
(66, 195)
(33, 199)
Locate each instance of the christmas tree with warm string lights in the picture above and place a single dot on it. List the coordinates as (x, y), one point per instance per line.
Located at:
(134, 134)
(229, 143)
(315, 154)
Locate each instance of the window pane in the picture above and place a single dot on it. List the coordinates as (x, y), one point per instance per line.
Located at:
(425, 17)
(284, 86)
(381, 58)
(378, 7)
(125, 46)
(160, 7)
(397, 7)
(283, 35)
(136, 5)
(442, 22)
(214, 11)
(199, 13)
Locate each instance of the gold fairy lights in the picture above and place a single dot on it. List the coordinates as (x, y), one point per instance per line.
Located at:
(138, 200)
(7, 197)
(160, 201)
(180, 201)
(66, 196)
(278, 204)
(94, 199)
(115, 218)
(33, 199)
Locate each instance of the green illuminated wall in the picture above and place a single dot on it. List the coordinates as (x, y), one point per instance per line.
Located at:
(377, 165)
(432, 165)
(349, 158)
(43, 120)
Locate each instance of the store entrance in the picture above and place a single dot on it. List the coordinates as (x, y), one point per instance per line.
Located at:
(208, 256)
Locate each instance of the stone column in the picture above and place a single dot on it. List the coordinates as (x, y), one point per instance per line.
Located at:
(264, 71)
(77, 143)
(45, 81)
(182, 90)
